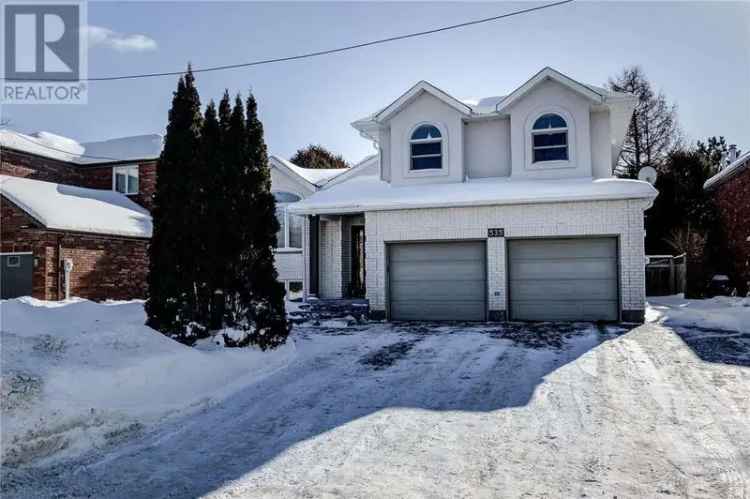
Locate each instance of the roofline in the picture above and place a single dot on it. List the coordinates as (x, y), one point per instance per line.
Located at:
(276, 161)
(349, 172)
(738, 166)
(344, 209)
(77, 164)
(414, 91)
(544, 74)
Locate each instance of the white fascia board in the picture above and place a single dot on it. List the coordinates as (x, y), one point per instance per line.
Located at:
(413, 93)
(549, 74)
(346, 209)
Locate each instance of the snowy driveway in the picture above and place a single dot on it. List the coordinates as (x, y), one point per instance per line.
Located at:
(452, 411)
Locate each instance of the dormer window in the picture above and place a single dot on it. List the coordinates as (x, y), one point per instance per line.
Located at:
(549, 138)
(125, 179)
(426, 145)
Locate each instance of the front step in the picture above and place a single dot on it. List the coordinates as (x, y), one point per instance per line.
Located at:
(317, 310)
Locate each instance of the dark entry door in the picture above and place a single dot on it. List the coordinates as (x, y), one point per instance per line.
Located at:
(358, 261)
(15, 274)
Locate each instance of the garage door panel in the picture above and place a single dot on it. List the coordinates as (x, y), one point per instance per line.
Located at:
(563, 279)
(438, 310)
(450, 252)
(437, 281)
(553, 268)
(429, 270)
(438, 289)
(575, 289)
(564, 310)
(567, 248)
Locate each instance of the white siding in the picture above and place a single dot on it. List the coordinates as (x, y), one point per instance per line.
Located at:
(487, 150)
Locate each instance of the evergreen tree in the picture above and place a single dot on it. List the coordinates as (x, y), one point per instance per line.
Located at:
(714, 150)
(172, 293)
(317, 156)
(256, 297)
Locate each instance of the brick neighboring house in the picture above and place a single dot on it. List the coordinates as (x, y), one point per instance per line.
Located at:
(731, 191)
(64, 200)
(87, 204)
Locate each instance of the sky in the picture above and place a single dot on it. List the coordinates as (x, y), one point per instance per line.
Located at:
(697, 53)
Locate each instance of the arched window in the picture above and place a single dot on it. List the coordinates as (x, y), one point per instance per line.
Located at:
(549, 137)
(290, 226)
(426, 144)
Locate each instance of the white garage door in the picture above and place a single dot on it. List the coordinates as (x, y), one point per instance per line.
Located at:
(563, 279)
(437, 281)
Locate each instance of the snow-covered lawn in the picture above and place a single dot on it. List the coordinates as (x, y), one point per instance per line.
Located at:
(77, 375)
(430, 410)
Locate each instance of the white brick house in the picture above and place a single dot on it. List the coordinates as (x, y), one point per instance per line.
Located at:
(499, 209)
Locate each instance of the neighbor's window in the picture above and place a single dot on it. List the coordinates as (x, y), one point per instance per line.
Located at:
(550, 138)
(426, 145)
(290, 226)
(125, 179)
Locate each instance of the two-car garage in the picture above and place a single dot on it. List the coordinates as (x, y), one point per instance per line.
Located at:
(547, 279)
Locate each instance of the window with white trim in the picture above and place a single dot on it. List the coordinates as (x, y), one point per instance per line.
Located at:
(549, 137)
(290, 226)
(125, 179)
(426, 148)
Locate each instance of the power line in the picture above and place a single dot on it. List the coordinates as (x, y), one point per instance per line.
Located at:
(332, 51)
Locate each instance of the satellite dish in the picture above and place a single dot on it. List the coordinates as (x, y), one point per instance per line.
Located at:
(648, 174)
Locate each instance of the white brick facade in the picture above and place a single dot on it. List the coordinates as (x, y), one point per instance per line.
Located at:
(623, 219)
(331, 258)
(289, 265)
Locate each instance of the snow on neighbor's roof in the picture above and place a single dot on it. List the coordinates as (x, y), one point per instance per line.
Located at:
(369, 193)
(735, 167)
(78, 209)
(315, 176)
(61, 148)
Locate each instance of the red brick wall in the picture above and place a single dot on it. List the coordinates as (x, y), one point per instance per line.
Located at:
(104, 267)
(19, 164)
(733, 200)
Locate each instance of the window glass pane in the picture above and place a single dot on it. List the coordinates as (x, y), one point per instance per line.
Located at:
(120, 179)
(553, 154)
(550, 139)
(426, 132)
(280, 242)
(295, 231)
(286, 197)
(430, 163)
(133, 183)
(428, 148)
(549, 121)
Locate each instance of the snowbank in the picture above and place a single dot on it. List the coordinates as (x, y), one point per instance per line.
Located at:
(80, 374)
(721, 312)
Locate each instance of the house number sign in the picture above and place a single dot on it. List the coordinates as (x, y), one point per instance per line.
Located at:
(495, 232)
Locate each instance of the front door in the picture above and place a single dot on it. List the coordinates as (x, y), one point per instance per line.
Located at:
(358, 262)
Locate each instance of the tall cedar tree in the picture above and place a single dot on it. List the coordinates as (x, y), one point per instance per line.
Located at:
(172, 296)
(653, 132)
(255, 297)
(317, 156)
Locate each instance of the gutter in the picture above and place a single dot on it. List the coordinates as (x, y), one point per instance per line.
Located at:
(345, 209)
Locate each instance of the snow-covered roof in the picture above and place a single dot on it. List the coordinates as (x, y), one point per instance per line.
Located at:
(50, 145)
(315, 176)
(67, 207)
(369, 165)
(369, 193)
(735, 167)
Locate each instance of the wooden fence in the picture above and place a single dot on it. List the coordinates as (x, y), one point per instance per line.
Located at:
(665, 275)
